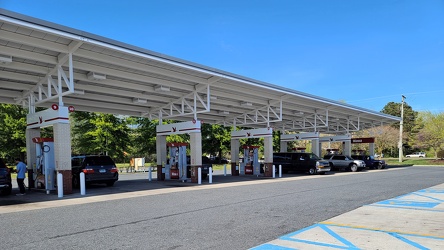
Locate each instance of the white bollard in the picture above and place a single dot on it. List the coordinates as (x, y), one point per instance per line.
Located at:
(280, 171)
(60, 185)
(199, 175)
(274, 169)
(225, 169)
(149, 174)
(210, 177)
(82, 184)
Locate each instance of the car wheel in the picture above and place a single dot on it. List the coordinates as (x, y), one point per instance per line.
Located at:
(380, 166)
(354, 168)
(6, 191)
(332, 167)
(110, 183)
(312, 171)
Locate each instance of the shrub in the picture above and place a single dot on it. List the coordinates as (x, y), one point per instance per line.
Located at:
(440, 154)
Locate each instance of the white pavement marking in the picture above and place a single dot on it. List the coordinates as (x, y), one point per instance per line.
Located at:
(411, 221)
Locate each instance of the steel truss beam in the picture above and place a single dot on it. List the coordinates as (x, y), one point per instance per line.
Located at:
(322, 121)
(266, 114)
(190, 104)
(47, 89)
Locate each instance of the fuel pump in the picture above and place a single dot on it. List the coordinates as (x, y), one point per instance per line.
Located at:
(332, 151)
(250, 164)
(299, 149)
(44, 168)
(176, 167)
(358, 151)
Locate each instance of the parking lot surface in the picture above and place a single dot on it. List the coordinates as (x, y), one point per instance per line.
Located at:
(241, 210)
(411, 221)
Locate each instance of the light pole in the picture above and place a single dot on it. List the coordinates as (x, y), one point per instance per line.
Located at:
(401, 123)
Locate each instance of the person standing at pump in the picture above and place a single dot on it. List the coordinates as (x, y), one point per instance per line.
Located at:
(21, 175)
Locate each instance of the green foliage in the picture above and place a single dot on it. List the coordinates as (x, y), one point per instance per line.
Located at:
(12, 131)
(97, 133)
(216, 139)
(123, 137)
(431, 134)
(143, 137)
(394, 109)
(409, 125)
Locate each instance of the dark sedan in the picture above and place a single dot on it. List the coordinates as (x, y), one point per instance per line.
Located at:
(97, 169)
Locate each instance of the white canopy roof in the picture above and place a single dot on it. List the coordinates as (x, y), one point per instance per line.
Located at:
(43, 63)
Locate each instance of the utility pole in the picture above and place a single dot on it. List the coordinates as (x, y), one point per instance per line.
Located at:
(401, 123)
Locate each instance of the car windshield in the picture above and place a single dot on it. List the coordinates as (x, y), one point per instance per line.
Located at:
(314, 157)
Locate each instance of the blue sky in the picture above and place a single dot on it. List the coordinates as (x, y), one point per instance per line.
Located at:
(364, 52)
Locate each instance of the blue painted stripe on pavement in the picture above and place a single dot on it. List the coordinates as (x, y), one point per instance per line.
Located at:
(317, 243)
(401, 196)
(409, 203)
(412, 243)
(431, 190)
(300, 231)
(336, 236)
(269, 246)
(411, 208)
(429, 197)
(292, 237)
(384, 231)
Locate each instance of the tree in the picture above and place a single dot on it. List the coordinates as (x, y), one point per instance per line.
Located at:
(143, 137)
(97, 133)
(81, 141)
(386, 138)
(216, 139)
(12, 131)
(409, 119)
(394, 109)
(431, 134)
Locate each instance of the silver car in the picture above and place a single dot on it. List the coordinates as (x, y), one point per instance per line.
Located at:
(341, 162)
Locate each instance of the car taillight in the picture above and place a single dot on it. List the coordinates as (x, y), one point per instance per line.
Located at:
(88, 171)
(114, 170)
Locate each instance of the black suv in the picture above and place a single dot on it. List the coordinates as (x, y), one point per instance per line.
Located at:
(370, 161)
(5, 179)
(97, 169)
(300, 162)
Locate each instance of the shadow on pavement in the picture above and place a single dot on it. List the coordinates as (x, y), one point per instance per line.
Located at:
(133, 182)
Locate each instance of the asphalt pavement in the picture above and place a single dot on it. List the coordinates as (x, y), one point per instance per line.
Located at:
(411, 221)
(414, 220)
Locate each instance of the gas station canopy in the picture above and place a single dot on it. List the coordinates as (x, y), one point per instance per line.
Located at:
(43, 63)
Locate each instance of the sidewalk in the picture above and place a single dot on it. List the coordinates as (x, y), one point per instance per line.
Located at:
(411, 221)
